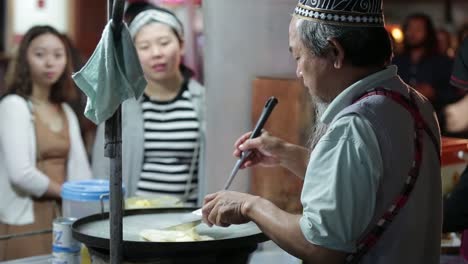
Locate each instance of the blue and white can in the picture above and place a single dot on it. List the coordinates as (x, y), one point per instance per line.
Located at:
(66, 257)
(63, 240)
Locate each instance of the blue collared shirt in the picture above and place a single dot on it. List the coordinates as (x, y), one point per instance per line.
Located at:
(343, 174)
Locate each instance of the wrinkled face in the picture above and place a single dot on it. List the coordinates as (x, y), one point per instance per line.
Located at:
(316, 72)
(159, 51)
(415, 33)
(47, 59)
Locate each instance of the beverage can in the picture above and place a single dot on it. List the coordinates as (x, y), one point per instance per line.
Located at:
(63, 240)
(66, 257)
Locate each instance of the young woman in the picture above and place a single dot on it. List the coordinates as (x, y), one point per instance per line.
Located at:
(163, 131)
(40, 142)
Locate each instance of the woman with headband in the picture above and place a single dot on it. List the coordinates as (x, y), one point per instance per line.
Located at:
(162, 132)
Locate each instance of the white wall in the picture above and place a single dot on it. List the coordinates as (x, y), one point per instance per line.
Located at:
(244, 39)
(27, 14)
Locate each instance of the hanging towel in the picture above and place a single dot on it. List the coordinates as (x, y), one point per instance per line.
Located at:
(112, 75)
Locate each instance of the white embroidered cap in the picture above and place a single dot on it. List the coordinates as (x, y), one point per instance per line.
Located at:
(364, 13)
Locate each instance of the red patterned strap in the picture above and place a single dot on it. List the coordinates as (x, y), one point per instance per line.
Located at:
(420, 126)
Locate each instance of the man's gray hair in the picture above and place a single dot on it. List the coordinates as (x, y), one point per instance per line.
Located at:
(363, 46)
(315, 35)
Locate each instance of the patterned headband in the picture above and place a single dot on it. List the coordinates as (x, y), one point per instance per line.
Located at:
(360, 13)
(155, 15)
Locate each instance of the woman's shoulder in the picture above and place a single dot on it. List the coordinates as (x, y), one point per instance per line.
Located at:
(14, 108)
(195, 88)
(13, 101)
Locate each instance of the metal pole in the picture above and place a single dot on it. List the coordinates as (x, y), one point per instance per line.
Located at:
(113, 150)
(191, 55)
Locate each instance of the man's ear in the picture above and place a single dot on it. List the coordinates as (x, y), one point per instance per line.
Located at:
(337, 53)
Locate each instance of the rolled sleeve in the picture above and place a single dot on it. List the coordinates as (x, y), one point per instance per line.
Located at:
(340, 186)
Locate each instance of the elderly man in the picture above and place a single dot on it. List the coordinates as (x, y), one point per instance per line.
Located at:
(372, 188)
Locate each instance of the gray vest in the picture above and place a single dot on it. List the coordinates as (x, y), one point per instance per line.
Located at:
(414, 235)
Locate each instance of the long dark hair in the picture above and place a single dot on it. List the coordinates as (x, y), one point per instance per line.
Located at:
(430, 42)
(20, 82)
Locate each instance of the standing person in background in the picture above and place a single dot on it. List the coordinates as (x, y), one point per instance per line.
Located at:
(422, 66)
(462, 33)
(455, 205)
(40, 142)
(163, 132)
(457, 113)
(444, 43)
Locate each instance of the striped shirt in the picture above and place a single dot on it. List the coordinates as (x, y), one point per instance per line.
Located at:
(171, 133)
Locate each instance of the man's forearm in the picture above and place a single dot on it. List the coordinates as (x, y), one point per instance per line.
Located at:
(284, 229)
(295, 158)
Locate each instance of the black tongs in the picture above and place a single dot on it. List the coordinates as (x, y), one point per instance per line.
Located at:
(270, 104)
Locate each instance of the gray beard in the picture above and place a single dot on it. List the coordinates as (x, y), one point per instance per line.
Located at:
(318, 128)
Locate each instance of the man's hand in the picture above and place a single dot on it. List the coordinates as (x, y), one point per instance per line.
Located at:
(266, 149)
(225, 208)
(456, 116)
(271, 151)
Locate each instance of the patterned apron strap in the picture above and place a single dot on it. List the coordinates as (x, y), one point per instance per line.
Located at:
(420, 126)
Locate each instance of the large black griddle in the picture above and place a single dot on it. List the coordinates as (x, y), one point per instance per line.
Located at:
(230, 245)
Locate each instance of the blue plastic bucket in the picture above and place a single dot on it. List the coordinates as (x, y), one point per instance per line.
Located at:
(83, 198)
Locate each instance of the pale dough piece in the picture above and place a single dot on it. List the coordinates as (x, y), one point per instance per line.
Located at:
(155, 235)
